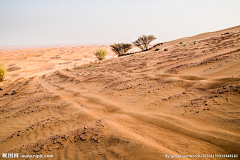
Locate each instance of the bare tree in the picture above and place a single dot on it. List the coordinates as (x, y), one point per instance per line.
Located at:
(144, 41)
(121, 48)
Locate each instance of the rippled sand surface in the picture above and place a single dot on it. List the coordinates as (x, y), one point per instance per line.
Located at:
(178, 98)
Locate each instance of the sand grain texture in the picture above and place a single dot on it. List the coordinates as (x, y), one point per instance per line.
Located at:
(184, 100)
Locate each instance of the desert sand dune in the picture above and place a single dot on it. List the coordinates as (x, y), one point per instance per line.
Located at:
(181, 101)
(34, 61)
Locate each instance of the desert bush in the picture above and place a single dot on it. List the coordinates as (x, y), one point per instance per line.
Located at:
(194, 42)
(2, 72)
(144, 41)
(121, 48)
(184, 45)
(101, 53)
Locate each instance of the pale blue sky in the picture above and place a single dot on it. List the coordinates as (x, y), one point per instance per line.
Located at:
(40, 22)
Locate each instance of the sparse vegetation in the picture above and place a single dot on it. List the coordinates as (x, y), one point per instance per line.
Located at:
(121, 48)
(194, 42)
(144, 41)
(60, 63)
(101, 54)
(184, 45)
(2, 72)
(91, 67)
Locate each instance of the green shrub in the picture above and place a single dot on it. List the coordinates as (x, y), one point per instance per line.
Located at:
(194, 42)
(121, 48)
(144, 41)
(184, 45)
(101, 53)
(2, 72)
(60, 63)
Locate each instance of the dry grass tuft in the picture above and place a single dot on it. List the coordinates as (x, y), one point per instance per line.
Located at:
(2, 72)
(101, 54)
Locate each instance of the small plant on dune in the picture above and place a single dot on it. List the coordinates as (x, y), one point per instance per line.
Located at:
(101, 54)
(184, 45)
(60, 63)
(121, 48)
(91, 67)
(144, 41)
(2, 72)
(194, 42)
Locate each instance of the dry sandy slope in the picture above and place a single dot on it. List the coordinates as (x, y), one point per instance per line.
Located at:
(35, 61)
(182, 101)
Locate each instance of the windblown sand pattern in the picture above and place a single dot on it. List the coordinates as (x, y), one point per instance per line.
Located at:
(184, 100)
(34, 61)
